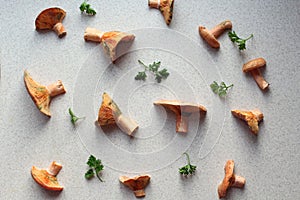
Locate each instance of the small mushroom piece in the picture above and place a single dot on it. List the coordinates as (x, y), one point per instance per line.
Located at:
(47, 177)
(253, 67)
(252, 117)
(42, 95)
(115, 43)
(51, 19)
(210, 36)
(165, 7)
(137, 184)
(182, 111)
(109, 114)
(230, 179)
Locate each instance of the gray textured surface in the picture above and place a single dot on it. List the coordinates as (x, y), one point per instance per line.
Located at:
(270, 162)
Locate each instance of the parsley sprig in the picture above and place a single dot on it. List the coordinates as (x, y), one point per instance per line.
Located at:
(86, 8)
(159, 74)
(241, 42)
(95, 167)
(189, 168)
(74, 118)
(221, 89)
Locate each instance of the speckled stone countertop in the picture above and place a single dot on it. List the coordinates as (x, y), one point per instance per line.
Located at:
(270, 161)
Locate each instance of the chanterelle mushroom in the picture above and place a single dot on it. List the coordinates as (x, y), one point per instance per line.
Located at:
(109, 113)
(115, 43)
(42, 95)
(230, 179)
(252, 117)
(182, 111)
(51, 19)
(47, 177)
(210, 36)
(253, 67)
(165, 7)
(137, 184)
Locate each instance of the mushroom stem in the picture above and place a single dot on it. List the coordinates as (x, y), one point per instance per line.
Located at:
(220, 28)
(54, 168)
(139, 193)
(60, 30)
(182, 123)
(239, 182)
(56, 88)
(154, 3)
(126, 124)
(259, 79)
(92, 34)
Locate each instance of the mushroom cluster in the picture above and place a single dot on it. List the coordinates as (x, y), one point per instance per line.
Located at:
(115, 43)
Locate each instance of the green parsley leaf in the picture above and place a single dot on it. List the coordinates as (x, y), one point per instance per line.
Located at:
(95, 168)
(159, 75)
(221, 89)
(86, 8)
(141, 76)
(235, 38)
(89, 174)
(74, 118)
(188, 169)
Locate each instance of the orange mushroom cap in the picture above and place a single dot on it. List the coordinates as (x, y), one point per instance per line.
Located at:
(108, 112)
(46, 178)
